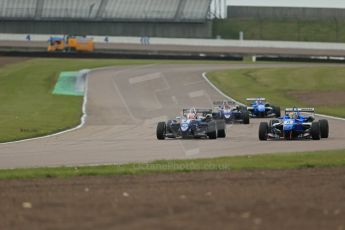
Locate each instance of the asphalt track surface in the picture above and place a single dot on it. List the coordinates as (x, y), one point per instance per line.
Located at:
(124, 106)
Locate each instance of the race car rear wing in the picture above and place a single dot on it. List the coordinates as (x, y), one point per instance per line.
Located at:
(203, 111)
(256, 99)
(218, 103)
(302, 110)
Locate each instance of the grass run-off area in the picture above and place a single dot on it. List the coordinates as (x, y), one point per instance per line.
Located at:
(255, 162)
(320, 30)
(28, 107)
(284, 86)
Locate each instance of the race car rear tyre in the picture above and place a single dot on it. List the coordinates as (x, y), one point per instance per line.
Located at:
(212, 135)
(221, 133)
(221, 129)
(160, 131)
(276, 110)
(212, 130)
(245, 117)
(263, 131)
(216, 116)
(315, 130)
(324, 128)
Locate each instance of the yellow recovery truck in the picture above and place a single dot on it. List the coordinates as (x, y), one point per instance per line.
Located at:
(70, 43)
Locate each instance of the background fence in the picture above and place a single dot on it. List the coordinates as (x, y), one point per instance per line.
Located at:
(111, 10)
(158, 18)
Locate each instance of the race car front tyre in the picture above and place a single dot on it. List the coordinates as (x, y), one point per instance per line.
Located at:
(272, 122)
(216, 116)
(160, 132)
(263, 131)
(315, 131)
(221, 126)
(212, 134)
(245, 117)
(324, 128)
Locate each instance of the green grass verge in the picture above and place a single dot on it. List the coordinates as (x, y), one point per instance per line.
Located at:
(28, 107)
(281, 29)
(266, 161)
(279, 85)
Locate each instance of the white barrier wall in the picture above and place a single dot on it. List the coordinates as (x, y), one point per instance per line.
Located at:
(193, 42)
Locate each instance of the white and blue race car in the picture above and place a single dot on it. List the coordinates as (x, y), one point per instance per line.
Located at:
(194, 123)
(297, 123)
(230, 112)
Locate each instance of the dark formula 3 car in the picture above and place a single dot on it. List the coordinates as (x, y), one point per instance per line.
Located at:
(295, 125)
(230, 112)
(194, 123)
(260, 108)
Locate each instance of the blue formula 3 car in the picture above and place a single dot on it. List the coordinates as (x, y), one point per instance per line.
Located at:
(260, 108)
(295, 125)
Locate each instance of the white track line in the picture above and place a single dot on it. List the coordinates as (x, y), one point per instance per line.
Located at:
(331, 117)
(123, 101)
(198, 93)
(204, 75)
(144, 78)
(219, 91)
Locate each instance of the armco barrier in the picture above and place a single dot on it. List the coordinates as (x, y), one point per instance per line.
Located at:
(128, 54)
(313, 59)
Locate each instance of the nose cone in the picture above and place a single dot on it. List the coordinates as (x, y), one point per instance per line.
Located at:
(261, 108)
(288, 124)
(287, 127)
(184, 126)
(227, 113)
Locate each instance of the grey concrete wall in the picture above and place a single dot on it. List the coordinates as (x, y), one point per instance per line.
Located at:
(284, 12)
(152, 29)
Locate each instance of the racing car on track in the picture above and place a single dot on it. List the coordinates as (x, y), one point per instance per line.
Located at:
(295, 125)
(259, 107)
(230, 112)
(194, 123)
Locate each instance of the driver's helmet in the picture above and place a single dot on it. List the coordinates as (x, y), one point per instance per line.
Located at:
(226, 105)
(296, 115)
(293, 115)
(208, 116)
(192, 114)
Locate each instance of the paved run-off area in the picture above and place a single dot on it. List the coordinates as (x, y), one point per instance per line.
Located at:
(124, 106)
